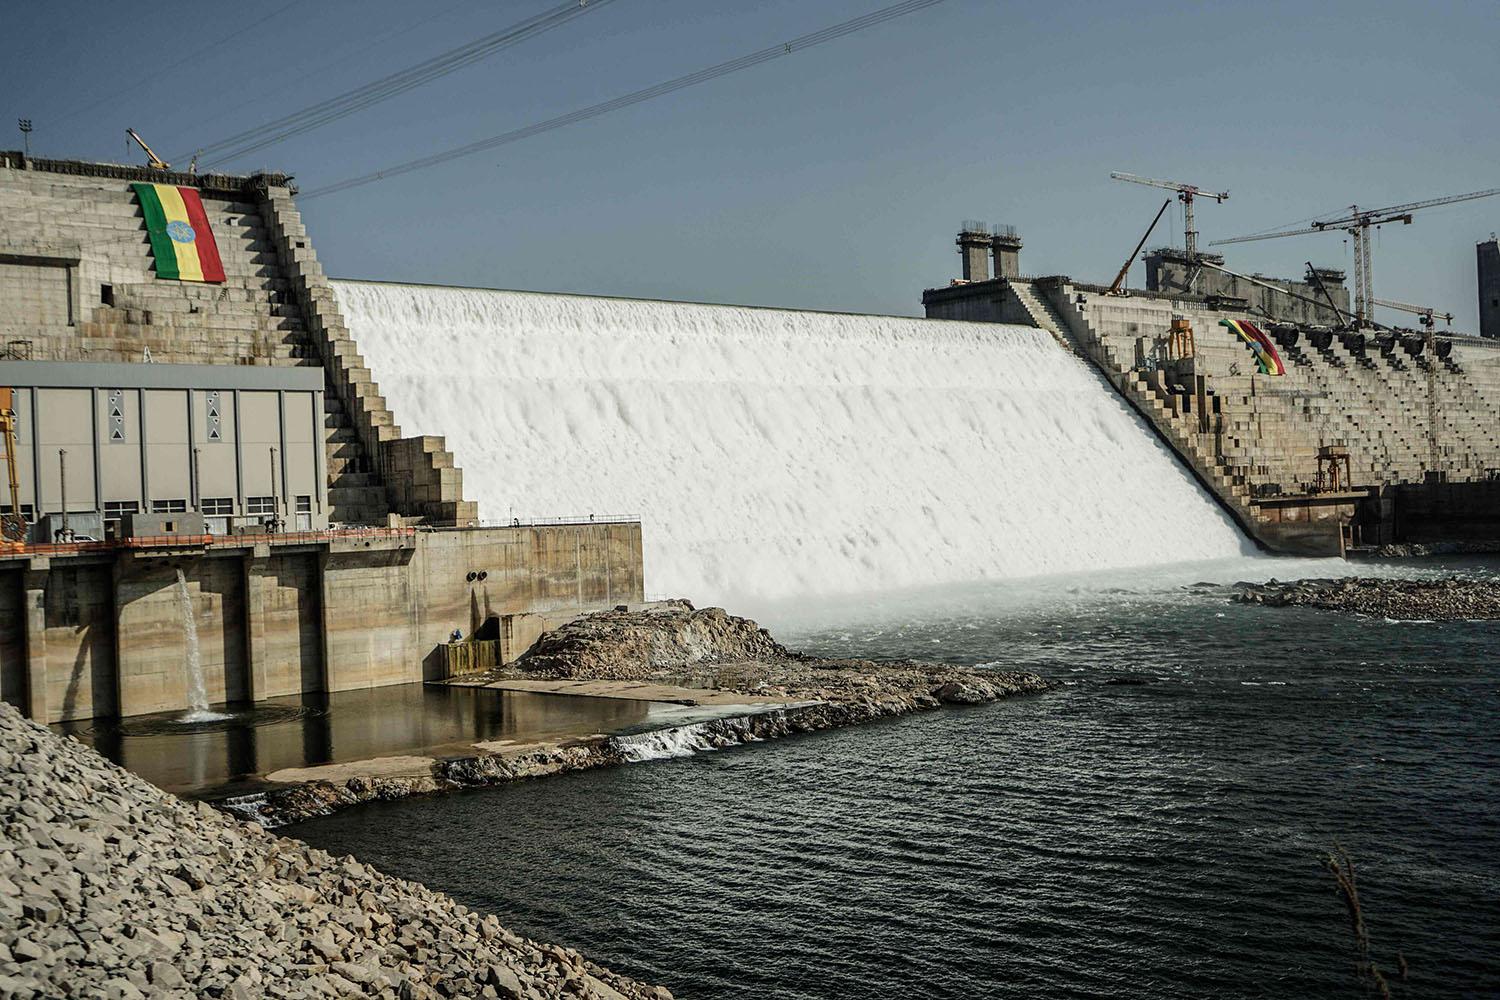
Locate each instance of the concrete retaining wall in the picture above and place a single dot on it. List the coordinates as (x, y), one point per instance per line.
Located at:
(100, 634)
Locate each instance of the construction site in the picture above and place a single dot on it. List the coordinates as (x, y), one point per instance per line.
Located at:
(1318, 429)
(193, 437)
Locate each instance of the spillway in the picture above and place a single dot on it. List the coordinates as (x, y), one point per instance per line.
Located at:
(775, 454)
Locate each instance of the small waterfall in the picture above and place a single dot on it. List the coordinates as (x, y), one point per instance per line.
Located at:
(193, 665)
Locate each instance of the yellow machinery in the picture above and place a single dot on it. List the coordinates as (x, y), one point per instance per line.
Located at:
(12, 524)
(157, 163)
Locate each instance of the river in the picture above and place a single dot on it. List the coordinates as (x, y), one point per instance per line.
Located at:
(1154, 826)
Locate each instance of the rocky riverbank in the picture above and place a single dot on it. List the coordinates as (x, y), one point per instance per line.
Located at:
(1452, 599)
(681, 646)
(112, 888)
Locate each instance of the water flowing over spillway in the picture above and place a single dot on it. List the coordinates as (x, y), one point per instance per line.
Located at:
(775, 454)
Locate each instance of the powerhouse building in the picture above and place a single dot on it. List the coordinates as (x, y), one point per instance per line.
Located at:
(188, 419)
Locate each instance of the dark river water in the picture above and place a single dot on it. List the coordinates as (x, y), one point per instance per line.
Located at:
(1151, 828)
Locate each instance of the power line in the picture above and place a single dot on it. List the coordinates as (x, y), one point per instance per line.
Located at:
(349, 102)
(175, 64)
(325, 65)
(636, 97)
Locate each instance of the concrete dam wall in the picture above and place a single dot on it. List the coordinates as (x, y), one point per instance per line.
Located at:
(774, 453)
(319, 547)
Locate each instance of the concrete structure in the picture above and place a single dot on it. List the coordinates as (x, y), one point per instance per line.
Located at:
(238, 445)
(974, 249)
(1170, 272)
(977, 241)
(1419, 430)
(77, 284)
(99, 631)
(1488, 254)
(176, 459)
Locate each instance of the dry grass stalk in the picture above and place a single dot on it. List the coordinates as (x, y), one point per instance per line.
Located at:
(1341, 866)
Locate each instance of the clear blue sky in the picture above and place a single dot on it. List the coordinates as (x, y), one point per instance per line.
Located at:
(834, 178)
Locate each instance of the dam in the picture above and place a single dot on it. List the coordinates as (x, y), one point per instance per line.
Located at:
(561, 454)
(777, 454)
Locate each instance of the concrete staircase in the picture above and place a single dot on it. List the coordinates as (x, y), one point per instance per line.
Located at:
(102, 302)
(373, 469)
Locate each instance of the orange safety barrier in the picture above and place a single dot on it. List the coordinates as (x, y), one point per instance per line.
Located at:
(205, 541)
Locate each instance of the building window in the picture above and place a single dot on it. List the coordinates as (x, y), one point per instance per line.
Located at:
(304, 513)
(169, 506)
(216, 511)
(260, 505)
(107, 294)
(115, 510)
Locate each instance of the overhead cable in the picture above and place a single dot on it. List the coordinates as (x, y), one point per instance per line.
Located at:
(636, 97)
(349, 102)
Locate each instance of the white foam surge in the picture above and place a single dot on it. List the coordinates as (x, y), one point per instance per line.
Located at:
(197, 696)
(684, 741)
(777, 454)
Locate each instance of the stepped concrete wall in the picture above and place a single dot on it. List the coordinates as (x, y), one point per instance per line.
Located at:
(96, 629)
(77, 284)
(1421, 433)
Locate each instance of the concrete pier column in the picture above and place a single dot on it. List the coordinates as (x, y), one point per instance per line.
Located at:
(1007, 248)
(257, 654)
(974, 248)
(35, 584)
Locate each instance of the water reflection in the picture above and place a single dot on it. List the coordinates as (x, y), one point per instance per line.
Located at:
(228, 757)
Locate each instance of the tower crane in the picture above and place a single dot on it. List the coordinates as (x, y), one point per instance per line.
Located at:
(1185, 194)
(1357, 223)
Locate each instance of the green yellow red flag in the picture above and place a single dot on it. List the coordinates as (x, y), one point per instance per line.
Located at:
(181, 240)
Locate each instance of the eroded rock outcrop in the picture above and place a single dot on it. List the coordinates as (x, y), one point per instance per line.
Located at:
(711, 648)
(112, 888)
(1452, 599)
(634, 645)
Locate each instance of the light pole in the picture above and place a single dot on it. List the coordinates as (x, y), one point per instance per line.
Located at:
(62, 477)
(24, 124)
(275, 504)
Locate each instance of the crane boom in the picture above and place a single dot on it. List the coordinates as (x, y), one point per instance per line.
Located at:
(1412, 206)
(1426, 312)
(157, 163)
(1169, 185)
(1266, 236)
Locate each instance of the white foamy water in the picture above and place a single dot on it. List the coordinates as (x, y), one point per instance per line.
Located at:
(197, 696)
(776, 454)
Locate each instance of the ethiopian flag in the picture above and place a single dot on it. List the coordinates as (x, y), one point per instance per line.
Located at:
(181, 240)
(1266, 355)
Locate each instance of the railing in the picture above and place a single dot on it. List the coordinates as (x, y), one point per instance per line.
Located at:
(548, 522)
(237, 541)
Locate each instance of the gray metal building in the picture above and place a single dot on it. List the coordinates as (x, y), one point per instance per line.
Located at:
(240, 445)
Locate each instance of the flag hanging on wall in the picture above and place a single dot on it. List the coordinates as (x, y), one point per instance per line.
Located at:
(1266, 355)
(181, 240)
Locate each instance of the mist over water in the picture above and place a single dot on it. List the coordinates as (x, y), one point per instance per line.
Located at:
(777, 454)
